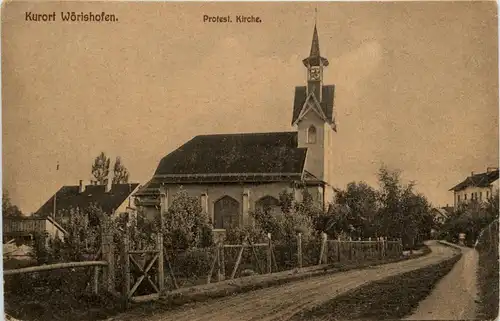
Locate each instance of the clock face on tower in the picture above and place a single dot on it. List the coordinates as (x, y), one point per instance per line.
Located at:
(314, 73)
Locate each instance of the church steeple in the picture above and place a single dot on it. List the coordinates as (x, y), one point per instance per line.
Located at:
(315, 64)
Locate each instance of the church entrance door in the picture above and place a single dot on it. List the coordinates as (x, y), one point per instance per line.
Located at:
(226, 213)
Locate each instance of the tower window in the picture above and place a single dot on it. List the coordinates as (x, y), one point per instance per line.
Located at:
(311, 135)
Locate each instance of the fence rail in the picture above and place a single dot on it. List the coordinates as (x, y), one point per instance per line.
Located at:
(56, 266)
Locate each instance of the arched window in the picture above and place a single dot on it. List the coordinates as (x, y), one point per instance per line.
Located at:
(311, 135)
(268, 204)
(226, 213)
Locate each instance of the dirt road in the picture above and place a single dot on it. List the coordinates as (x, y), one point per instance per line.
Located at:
(282, 302)
(454, 296)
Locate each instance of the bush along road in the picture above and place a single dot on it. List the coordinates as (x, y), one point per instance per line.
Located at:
(285, 301)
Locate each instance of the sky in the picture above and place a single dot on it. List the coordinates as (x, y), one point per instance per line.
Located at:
(416, 86)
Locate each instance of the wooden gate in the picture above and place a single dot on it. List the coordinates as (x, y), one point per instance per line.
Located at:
(143, 268)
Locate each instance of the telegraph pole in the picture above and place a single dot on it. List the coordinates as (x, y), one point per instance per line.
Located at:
(55, 194)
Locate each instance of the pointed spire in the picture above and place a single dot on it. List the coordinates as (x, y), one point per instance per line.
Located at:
(315, 44)
(315, 58)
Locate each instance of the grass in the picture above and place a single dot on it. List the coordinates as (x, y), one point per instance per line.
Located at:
(391, 298)
(56, 295)
(488, 285)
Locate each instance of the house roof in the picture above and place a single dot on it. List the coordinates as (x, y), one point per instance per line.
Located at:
(477, 180)
(440, 212)
(326, 103)
(68, 197)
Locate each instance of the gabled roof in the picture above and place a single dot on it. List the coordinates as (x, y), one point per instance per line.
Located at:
(234, 154)
(326, 104)
(477, 180)
(68, 197)
(231, 158)
(440, 212)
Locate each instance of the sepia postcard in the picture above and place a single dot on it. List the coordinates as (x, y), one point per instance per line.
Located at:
(250, 161)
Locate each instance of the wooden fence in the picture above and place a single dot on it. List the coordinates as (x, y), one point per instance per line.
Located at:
(103, 259)
(145, 274)
(229, 261)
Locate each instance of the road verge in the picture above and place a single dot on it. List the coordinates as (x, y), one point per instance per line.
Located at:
(391, 298)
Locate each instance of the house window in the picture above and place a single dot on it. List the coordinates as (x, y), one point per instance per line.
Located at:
(226, 213)
(311, 135)
(465, 196)
(458, 198)
(480, 196)
(268, 204)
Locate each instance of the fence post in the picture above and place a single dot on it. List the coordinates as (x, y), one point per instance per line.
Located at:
(161, 269)
(217, 253)
(322, 249)
(95, 285)
(109, 256)
(269, 254)
(222, 261)
(338, 249)
(349, 243)
(299, 249)
(126, 265)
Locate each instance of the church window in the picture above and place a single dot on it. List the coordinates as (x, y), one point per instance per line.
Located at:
(311, 135)
(268, 204)
(226, 213)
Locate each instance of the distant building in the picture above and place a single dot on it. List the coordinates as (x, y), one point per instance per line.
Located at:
(440, 215)
(478, 187)
(113, 199)
(24, 228)
(233, 174)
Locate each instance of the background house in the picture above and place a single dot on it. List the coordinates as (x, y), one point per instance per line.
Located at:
(113, 199)
(478, 187)
(22, 229)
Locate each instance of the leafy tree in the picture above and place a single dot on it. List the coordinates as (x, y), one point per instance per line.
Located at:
(186, 225)
(354, 211)
(120, 173)
(295, 217)
(8, 209)
(470, 218)
(403, 213)
(100, 168)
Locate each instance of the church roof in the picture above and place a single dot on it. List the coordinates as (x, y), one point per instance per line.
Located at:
(328, 97)
(231, 158)
(262, 153)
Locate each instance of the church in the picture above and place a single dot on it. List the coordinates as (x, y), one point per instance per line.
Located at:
(233, 174)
